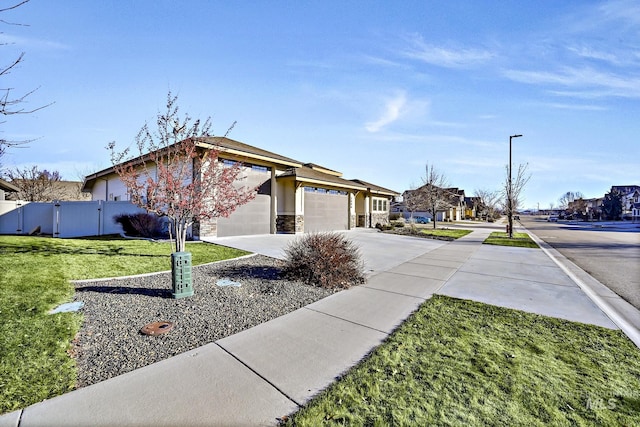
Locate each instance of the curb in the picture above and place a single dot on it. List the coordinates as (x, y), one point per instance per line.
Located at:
(630, 330)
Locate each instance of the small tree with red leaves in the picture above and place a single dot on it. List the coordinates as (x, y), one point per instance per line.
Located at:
(179, 176)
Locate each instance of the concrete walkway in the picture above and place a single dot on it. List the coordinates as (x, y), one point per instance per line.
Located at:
(268, 371)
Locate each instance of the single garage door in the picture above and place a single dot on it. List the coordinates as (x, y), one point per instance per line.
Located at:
(325, 210)
(254, 217)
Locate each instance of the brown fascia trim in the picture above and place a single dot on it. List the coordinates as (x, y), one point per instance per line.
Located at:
(242, 155)
(320, 182)
(247, 155)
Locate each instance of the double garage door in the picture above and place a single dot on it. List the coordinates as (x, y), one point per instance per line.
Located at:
(325, 211)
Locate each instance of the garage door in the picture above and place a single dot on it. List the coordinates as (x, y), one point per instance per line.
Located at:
(254, 217)
(325, 211)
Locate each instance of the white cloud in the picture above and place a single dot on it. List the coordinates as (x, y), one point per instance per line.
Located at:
(446, 57)
(24, 42)
(576, 107)
(591, 83)
(393, 110)
(599, 55)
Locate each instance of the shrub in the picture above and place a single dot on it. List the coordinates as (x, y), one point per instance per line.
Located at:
(394, 216)
(384, 227)
(329, 260)
(140, 224)
(398, 224)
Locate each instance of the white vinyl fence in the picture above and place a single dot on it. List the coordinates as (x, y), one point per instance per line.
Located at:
(65, 219)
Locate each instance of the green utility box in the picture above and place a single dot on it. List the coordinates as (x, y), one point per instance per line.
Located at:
(181, 274)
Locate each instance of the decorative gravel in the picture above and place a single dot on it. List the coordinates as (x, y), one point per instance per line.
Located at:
(110, 342)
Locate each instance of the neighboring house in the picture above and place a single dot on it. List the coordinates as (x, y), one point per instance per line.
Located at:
(593, 207)
(293, 197)
(630, 197)
(455, 209)
(6, 188)
(472, 204)
(59, 190)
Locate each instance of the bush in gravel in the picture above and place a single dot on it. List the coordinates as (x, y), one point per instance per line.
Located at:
(140, 224)
(329, 260)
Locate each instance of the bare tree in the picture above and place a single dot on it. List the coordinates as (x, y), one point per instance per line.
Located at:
(414, 202)
(434, 192)
(512, 193)
(11, 104)
(175, 178)
(489, 200)
(37, 185)
(568, 198)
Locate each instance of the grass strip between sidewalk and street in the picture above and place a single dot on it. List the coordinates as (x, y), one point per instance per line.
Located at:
(34, 278)
(519, 240)
(445, 232)
(458, 362)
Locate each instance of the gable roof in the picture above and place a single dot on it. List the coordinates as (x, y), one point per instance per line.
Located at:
(376, 189)
(230, 146)
(308, 175)
(7, 186)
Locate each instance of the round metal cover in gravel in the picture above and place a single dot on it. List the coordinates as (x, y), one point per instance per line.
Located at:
(156, 328)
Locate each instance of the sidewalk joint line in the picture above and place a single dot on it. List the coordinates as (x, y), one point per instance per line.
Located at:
(520, 280)
(299, 405)
(347, 320)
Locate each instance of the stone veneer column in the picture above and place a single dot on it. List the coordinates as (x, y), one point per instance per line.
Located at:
(206, 228)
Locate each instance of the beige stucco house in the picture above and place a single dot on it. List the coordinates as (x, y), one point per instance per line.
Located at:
(293, 197)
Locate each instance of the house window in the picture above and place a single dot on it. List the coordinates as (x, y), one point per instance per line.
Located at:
(380, 205)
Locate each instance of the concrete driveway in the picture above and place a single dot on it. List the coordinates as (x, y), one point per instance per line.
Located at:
(380, 251)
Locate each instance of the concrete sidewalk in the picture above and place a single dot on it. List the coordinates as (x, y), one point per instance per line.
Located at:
(268, 371)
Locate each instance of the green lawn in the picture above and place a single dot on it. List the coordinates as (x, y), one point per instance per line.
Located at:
(34, 278)
(520, 240)
(445, 232)
(457, 362)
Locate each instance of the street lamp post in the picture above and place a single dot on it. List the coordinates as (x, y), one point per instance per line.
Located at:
(510, 191)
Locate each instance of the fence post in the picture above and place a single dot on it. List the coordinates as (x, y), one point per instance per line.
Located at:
(56, 219)
(20, 217)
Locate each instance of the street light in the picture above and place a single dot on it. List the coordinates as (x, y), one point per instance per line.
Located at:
(510, 191)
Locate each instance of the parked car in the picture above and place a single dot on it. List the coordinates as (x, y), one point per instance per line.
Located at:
(421, 220)
(552, 218)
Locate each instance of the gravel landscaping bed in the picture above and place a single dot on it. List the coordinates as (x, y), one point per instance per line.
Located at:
(110, 343)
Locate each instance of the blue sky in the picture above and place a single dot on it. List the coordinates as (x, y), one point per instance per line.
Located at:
(375, 89)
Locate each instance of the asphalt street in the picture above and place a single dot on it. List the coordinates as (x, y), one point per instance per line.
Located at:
(609, 254)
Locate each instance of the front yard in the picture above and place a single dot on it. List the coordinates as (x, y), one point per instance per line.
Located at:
(457, 362)
(34, 278)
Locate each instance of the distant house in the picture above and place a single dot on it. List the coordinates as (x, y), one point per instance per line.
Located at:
(6, 188)
(293, 197)
(59, 190)
(593, 207)
(471, 206)
(454, 208)
(630, 199)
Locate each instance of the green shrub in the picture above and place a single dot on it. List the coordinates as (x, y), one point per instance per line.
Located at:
(394, 216)
(329, 260)
(397, 224)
